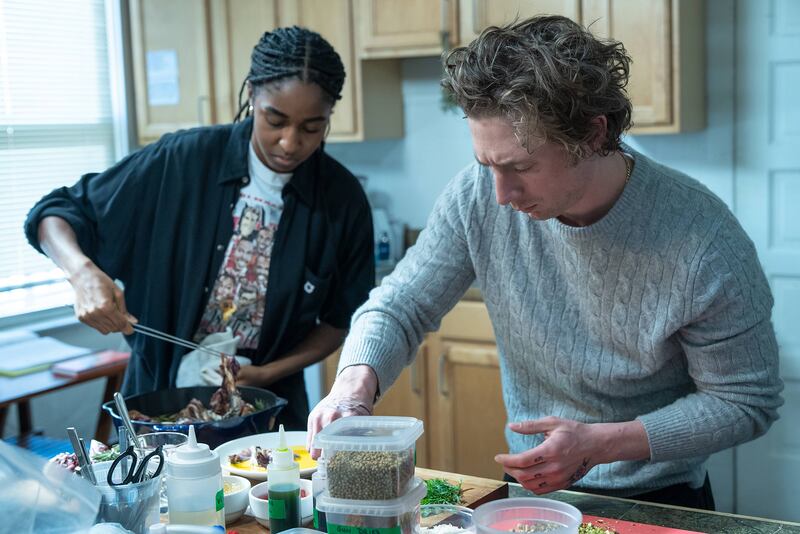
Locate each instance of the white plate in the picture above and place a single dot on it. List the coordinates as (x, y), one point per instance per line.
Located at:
(265, 441)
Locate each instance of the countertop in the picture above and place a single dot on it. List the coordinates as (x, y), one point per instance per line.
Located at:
(663, 515)
(628, 510)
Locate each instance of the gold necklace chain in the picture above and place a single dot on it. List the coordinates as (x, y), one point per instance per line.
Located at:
(628, 167)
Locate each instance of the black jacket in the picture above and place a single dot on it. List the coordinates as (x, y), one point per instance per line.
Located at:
(160, 221)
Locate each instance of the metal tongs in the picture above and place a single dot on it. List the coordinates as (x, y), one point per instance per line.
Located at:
(163, 336)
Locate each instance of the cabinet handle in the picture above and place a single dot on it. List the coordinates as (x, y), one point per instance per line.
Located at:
(444, 390)
(445, 30)
(201, 109)
(415, 387)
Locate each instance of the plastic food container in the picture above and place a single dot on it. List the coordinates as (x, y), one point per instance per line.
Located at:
(527, 515)
(369, 458)
(445, 519)
(400, 516)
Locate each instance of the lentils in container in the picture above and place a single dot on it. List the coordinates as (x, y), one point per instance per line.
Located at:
(370, 458)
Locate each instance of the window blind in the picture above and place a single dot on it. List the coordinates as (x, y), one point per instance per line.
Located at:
(56, 124)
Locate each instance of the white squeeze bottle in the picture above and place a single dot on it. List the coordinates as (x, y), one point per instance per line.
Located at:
(194, 485)
(283, 484)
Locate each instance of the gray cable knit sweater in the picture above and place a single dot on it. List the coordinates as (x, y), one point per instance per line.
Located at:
(659, 311)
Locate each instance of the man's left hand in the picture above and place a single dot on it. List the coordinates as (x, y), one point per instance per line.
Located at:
(569, 450)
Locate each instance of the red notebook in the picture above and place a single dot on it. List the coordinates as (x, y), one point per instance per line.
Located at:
(629, 527)
(86, 364)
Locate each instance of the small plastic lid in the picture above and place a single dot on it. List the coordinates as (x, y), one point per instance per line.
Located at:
(369, 433)
(161, 528)
(193, 460)
(389, 508)
(300, 530)
(283, 456)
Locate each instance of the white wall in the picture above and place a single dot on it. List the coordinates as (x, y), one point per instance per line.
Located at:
(410, 172)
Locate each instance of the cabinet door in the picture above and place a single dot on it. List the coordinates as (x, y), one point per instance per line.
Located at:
(405, 28)
(467, 412)
(645, 29)
(465, 402)
(237, 26)
(475, 15)
(173, 73)
(665, 40)
(407, 396)
(333, 20)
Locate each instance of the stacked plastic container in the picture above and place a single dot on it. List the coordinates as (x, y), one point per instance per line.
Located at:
(370, 475)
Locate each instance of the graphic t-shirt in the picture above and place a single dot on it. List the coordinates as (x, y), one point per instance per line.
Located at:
(239, 294)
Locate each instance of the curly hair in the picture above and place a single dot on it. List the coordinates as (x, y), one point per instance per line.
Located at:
(550, 76)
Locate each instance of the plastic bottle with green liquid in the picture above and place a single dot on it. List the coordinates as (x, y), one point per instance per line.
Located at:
(283, 483)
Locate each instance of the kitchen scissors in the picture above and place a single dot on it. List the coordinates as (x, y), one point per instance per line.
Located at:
(137, 470)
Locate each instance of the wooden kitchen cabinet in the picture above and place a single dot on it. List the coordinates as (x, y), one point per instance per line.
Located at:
(237, 25)
(405, 28)
(665, 39)
(172, 66)
(371, 104)
(476, 15)
(213, 41)
(466, 414)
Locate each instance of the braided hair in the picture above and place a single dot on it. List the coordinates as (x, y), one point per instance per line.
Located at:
(294, 52)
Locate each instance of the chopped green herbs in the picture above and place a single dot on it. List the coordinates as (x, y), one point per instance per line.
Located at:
(107, 455)
(441, 491)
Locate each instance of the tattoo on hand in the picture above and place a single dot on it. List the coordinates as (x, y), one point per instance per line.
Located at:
(538, 460)
(542, 484)
(580, 472)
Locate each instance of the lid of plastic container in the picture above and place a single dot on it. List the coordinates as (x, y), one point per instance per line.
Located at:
(391, 507)
(283, 456)
(300, 530)
(369, 433)
(193, 460)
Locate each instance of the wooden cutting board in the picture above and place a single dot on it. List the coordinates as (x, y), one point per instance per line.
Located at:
(629, 527)
(475, 490)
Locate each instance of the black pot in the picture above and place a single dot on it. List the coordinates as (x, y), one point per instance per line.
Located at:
(212, 433)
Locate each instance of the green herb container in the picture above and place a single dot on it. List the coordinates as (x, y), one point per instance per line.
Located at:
(393, 516)
(369, 458)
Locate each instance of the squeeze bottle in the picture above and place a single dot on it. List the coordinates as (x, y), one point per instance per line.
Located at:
(283, 484)
(194, 485)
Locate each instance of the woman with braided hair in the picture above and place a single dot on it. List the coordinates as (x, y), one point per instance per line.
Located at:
(249, 228)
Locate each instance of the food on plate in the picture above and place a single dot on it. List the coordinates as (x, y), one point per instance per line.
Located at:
(239, 457)
(225, 403)
(257, 458)
(67, 460)
(262, 457)
(230, 487)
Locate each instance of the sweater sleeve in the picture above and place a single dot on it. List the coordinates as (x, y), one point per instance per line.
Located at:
(387, 330)
(731, 352)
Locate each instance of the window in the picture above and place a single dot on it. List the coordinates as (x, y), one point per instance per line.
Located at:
(57, 122)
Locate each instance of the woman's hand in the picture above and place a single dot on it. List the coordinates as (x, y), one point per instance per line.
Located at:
(252, 375)
(353, 393)
(570, 449)
(99, 302)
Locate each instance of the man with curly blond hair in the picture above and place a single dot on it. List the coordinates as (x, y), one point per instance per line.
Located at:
(631, 314)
